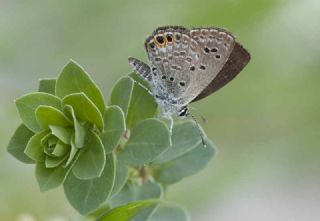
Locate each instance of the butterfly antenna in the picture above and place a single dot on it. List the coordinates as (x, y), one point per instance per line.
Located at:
(200, 131)
(204, 120)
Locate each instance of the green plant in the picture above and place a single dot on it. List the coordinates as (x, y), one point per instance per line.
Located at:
(114, 161)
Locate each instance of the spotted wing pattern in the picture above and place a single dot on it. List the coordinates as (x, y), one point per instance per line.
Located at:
(238, 59)
(184, 62)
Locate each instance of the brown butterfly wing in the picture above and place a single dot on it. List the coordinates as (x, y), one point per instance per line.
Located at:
(238, 59)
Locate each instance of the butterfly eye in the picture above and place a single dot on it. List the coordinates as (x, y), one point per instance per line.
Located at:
(160, 39)
(169, 37)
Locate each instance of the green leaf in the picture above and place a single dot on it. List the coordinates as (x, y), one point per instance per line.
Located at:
(79, 129)
(170, 212)
(47, 85)
(28, 104)
(49, 178)
(186, 165)
(58, 155)
(47, 115)
(18, 144)
(122, 174)
(73, 153)
(135, 192)
(52, 140)
(34, 149)
(136, 77)
(92, 159)
(61, 149)
(98, 212)
(45, 139)
(88, 195)
(144, 214)
(142, 105)
(114, 127)
(74, 79)
(185, 137)
(62, 133)
(127, 212)
(84, 109)
(134, 99)
(148, 140)
(52, 162)
(121, 94)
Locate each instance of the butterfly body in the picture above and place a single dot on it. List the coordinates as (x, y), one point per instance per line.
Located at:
(186, 65)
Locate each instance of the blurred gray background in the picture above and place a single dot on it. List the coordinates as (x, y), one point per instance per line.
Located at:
(266, 123)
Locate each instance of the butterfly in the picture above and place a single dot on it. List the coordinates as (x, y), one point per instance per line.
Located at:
(188, 65)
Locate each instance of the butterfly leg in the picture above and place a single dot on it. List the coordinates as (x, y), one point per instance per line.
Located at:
(170, 127)
(170, 124)
(183, 111)
(169, 121)
(200, 131)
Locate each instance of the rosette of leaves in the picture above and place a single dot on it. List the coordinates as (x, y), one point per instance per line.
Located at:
(62, 132)
(114, 161)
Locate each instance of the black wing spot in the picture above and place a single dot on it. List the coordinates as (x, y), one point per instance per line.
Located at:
(207, 50)
(171, 79)
(182, 84)
(169, 37)
(164, 77)
(160, 39)
(214, 50)
(218, 56)
(154, 71)
(202, 67)
(152, 45)
(192, 68)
